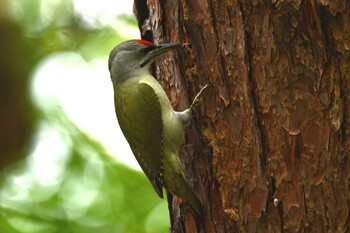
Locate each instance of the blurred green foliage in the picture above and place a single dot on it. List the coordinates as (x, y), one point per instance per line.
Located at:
(91, 191)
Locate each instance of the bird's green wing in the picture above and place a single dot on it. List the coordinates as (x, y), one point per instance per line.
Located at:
(139, 116)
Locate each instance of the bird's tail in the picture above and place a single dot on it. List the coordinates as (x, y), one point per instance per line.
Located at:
(176, 183)
(197, 210)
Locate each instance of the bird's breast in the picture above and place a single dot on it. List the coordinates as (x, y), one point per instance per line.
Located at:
(173, 132)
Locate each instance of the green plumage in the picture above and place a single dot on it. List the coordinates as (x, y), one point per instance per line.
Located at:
(152, 128)
(139, 116)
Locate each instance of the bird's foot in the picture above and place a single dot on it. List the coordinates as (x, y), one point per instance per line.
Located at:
(199, 94)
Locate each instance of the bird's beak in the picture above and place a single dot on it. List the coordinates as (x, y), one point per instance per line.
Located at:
(157, 50)
(165, 47)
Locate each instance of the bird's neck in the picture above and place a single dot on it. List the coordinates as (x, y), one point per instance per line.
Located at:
(131, 74)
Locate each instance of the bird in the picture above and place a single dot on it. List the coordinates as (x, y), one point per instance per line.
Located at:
(152, 128)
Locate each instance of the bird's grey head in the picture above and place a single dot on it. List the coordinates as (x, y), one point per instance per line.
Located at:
(134, 57)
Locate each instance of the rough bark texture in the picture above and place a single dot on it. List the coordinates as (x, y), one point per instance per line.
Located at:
(268, 150)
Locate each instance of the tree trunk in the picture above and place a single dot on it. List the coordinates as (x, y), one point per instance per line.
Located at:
(268, 149)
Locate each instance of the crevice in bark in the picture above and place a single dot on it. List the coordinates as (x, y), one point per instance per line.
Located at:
(331, 50)
(326, 33)
(307, 225)
(258, 117)
(181, 54)
(280, 212)
(347, 223)
(148, 35)
(210, 209)
(217, 42)
(271, 194)
(183, 225)
(325, 210)
(342, 103)
(141, 12)
(212, 15)
(162, 19)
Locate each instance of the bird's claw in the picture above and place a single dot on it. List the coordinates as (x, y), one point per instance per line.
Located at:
(199, 94)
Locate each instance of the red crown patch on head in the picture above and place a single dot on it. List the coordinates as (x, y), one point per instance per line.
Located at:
(144, 42)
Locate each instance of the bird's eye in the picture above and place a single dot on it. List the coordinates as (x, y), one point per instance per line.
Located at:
(148, 49)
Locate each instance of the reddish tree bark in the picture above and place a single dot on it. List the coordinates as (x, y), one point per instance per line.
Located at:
(268, 150)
